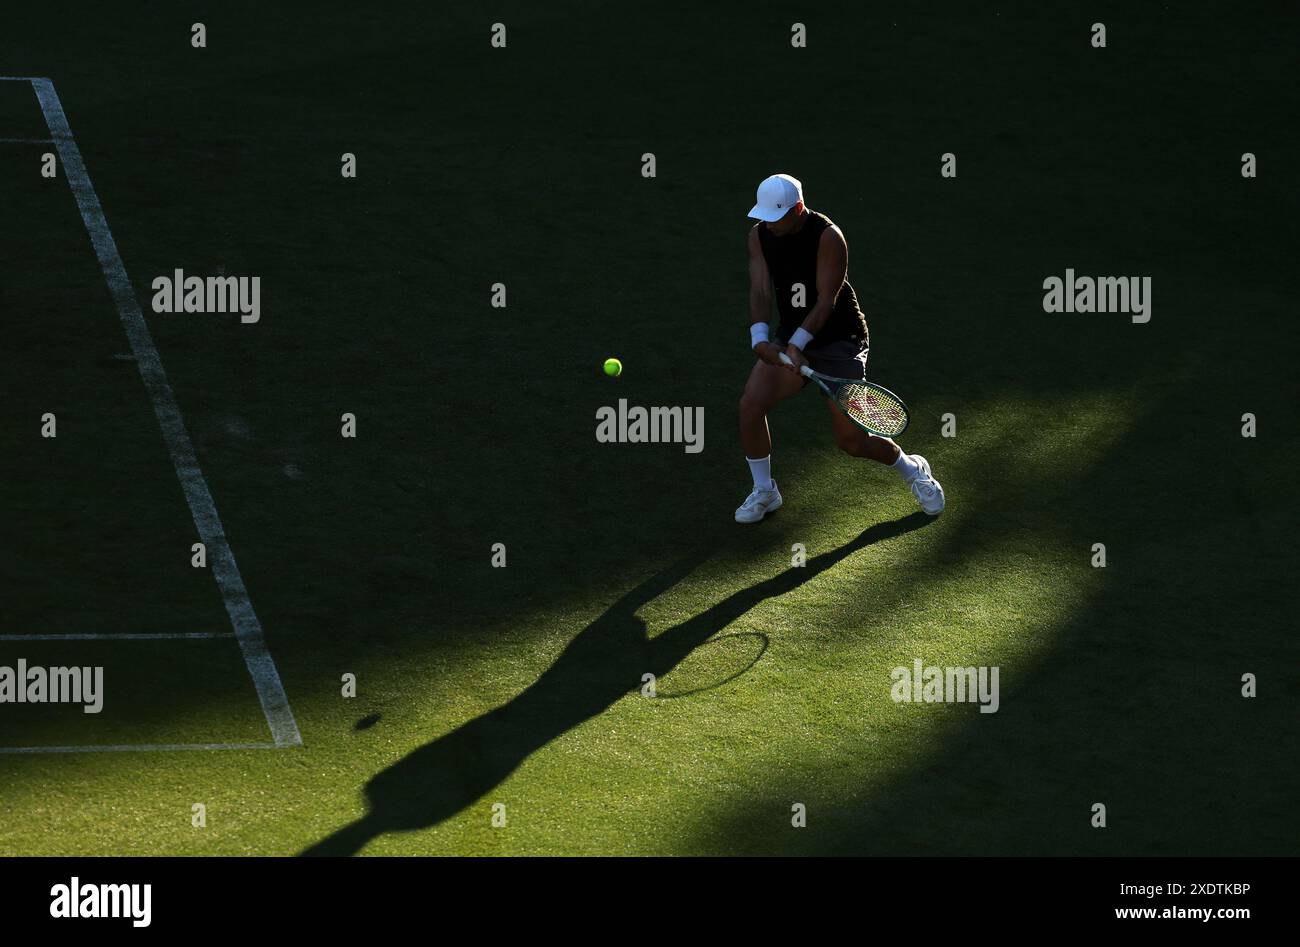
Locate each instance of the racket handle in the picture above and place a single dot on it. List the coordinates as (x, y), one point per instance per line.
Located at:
(803, 369)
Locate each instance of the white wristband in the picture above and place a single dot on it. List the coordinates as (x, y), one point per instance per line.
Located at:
(801, 338)
(758, 333)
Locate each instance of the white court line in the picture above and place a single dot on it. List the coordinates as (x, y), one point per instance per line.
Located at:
(247, 628)
(139, 747)
(26, 141)
(125, 636)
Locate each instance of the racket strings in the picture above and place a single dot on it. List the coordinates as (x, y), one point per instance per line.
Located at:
(873, 408)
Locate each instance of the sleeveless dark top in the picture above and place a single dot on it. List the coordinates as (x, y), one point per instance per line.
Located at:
(793, 259)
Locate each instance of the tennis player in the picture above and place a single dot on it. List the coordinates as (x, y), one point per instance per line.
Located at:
(801, 258)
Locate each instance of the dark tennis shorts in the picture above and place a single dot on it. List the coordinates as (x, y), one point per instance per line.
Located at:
(844, 359)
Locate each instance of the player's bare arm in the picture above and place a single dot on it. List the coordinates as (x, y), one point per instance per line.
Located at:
(760, 298)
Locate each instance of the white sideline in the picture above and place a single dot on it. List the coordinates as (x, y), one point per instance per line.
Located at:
(120, 636)
(247, 628)
(139, 747)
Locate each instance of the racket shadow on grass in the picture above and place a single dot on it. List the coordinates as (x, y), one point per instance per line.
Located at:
(603, 663)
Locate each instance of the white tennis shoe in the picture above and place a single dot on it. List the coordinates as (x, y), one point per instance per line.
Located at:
(925, 488)
(758, 504)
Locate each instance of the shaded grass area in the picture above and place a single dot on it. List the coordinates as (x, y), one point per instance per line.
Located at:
(371, 556)
(194, 691)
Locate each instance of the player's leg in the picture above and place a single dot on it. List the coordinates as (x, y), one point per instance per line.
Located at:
(858, 443)
(768, 386)
(913, 468)
(848, 359)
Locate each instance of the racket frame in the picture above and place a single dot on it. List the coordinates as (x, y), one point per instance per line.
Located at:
(822, 380)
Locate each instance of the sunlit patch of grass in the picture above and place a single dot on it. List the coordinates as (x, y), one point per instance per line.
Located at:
(817, 695)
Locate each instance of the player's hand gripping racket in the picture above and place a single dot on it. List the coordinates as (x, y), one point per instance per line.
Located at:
(875, 409)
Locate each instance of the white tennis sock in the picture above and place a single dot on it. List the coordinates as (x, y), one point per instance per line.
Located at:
(905, 465)
(762, 471)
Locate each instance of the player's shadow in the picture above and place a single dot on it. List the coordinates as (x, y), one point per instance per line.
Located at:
(604, 662)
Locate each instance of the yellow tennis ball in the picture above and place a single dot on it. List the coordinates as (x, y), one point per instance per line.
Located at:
(613, 367)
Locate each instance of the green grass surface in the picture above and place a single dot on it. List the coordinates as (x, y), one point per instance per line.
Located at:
(521, 685)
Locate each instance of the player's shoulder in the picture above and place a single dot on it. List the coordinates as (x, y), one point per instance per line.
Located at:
(754, 235)
(832, 235)
(827, 225)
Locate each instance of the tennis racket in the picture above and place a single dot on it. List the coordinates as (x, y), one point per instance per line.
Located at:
(875, 409)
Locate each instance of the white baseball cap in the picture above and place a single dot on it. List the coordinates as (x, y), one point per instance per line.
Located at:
(776, 195)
